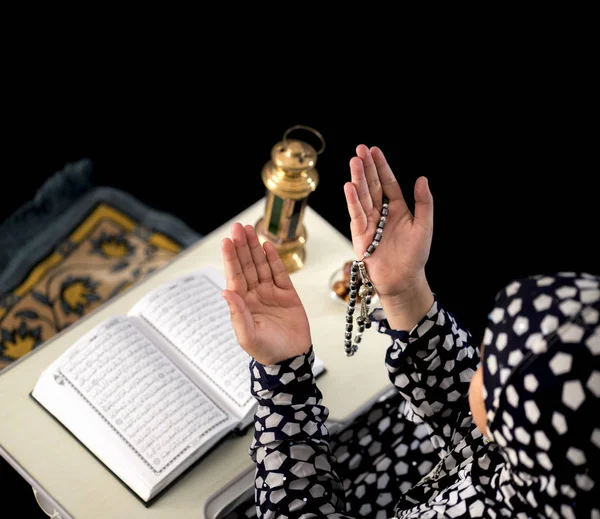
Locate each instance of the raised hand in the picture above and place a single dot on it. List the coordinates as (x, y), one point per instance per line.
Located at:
(397, 267)
(268, 317)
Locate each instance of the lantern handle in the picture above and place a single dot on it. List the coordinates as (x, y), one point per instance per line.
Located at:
(307, 128)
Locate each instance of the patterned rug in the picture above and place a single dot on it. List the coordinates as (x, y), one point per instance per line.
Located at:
(71, 249)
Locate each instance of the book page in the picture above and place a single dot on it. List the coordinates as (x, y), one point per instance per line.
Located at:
(191, 314)
(144, 397)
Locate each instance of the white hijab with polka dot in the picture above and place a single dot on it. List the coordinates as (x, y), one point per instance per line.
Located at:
(541, 376)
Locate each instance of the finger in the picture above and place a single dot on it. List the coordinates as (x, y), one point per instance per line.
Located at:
(358, 218)
(389, 184)
(241, 318)
(423, 205)
(258, 255)
(236, 280)
(280, 275)
(243, 252)
(359, 180)
(371, 174)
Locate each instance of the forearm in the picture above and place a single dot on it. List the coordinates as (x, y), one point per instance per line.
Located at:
(403, 310)
(295, 472)
(432, 367)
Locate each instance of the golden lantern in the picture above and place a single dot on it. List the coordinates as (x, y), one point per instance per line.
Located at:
(290, 176)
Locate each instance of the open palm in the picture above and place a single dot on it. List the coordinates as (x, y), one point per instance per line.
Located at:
(268, 317)
(399, 260)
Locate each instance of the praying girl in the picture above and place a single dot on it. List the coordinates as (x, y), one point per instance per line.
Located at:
(506, 428)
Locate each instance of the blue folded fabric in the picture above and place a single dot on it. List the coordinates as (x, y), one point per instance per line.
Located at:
(35, 229)
(72, 248)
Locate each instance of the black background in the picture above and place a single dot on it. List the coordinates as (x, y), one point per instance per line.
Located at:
(512, 168)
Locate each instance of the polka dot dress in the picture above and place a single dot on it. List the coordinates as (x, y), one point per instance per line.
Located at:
(374, 460)
(417, 453)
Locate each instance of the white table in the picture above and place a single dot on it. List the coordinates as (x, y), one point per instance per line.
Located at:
(79, 486)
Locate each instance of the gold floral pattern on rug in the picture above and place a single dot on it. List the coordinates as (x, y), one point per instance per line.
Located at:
(106, 254)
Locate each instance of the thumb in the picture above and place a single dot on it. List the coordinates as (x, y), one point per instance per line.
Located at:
(423, 205)
(241, 318)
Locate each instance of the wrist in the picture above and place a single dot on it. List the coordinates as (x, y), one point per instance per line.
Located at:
(295, 373)
(404, 310)
(282, 357)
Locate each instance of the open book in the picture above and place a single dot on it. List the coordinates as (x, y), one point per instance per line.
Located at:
(151, 392)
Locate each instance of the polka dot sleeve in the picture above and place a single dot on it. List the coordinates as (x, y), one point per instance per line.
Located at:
(295, 472)
(432, 366)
